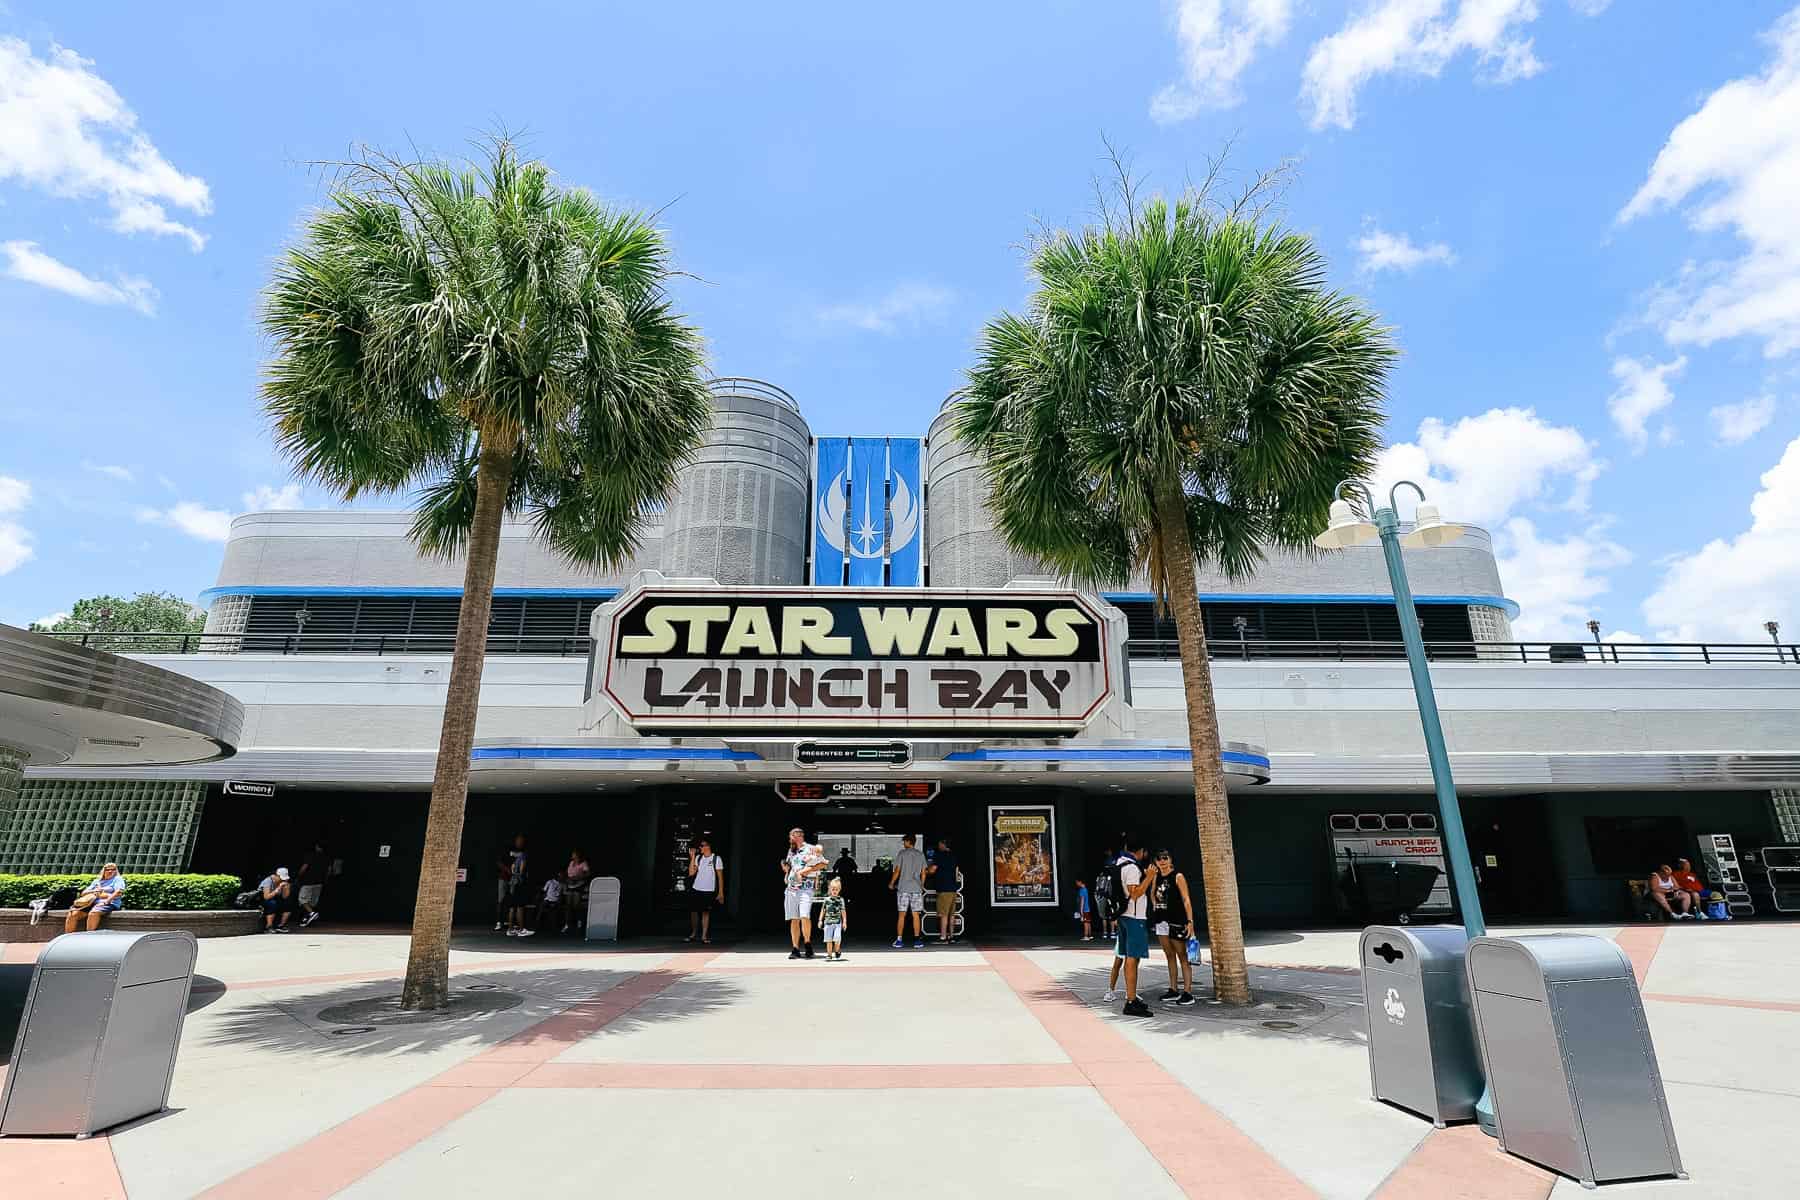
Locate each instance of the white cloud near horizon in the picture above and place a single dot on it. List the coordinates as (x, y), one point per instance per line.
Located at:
(26, 263)
(1734, 424)
(192, 518)
(1643, 391)
(904, 306)
(1726, 589)
(1218, 39)
(1734, 163)
(15, 539)
(1415, 37)
(1378, 250)
(53, 618)
(64, 130)
(1556, 582)
(267, 498)
(1483, 469)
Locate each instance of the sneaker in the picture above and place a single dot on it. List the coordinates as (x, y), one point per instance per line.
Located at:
(918, 945)
(794, 953)
(809, 951)
(527, 932)
(899, 945)
(281, 929)
(1186, 999)
(499, 925)
(309, 918)
(512, 932)
(1110, 995)
(1137, 1008)
(1169, 995)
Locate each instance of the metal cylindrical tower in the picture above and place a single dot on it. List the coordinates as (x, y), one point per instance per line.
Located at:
(739, 514)
(964, 548)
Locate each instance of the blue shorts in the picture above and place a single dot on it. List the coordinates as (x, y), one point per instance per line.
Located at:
(1134, 938)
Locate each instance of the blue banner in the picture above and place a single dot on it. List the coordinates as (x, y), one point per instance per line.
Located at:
(867, 536)
(830, 508)
(906, 508)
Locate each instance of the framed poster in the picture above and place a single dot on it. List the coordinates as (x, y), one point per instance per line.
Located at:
(1022, 847)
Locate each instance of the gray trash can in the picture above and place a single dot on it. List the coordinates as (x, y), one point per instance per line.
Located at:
(1568, 1056)
(603, 909)
(1422, 1053)
(97, 1040)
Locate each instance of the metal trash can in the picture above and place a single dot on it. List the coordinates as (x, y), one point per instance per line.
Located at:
(603, 909)
(1422, 1053)
(1569, 1061)
(97, 1040)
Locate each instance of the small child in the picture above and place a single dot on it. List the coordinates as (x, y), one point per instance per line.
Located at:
(553, 891)
(835, 917)
(1084, 911)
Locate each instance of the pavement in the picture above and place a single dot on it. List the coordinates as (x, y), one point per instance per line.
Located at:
(973, 1070)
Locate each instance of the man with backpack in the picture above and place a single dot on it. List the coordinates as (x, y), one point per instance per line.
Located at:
(1130, 883)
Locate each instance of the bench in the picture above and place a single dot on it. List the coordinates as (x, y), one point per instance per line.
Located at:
(16, 926)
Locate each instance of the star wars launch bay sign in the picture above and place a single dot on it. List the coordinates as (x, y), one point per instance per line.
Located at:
(686, 658)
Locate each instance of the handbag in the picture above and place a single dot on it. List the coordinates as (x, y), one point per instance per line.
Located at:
(1193, 950)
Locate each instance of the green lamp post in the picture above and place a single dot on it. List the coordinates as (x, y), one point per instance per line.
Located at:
(1348, 527)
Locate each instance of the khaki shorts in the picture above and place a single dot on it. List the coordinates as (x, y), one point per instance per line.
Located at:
(946, 908)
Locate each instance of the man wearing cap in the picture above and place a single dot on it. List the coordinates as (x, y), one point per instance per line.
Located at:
(276, 890)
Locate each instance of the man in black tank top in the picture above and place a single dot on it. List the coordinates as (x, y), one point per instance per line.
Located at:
(1171, 917)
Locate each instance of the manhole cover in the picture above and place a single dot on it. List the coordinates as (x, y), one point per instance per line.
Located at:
(1281, 1026)
(347, 1030)
(465, 1004)
(482, 987)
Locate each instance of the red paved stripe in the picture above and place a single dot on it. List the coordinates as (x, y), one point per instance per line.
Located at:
(1725, 1002)
(1205, 1154)
(1640, 944)
(60, 1167)
(326, 1164)
(1463, 1163)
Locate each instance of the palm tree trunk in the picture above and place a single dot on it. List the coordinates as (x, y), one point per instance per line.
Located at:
(428, 963)
(1212, 811)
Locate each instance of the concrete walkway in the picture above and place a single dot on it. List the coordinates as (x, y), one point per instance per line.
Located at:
(988, 1071)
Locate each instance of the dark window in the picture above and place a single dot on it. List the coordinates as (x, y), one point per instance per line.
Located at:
(1309, 630)
(423, 624)
(1636, 846)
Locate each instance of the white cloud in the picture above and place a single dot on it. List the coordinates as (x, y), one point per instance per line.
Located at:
(1736, 423)
(1737, 160)
(25, 262)
(192, 518)
(1415, 37)
(1218, 40)
(1482, 469)
(66, 131)
(1726, 589)
(906, 306)
(15, 539)
(1643, 392)
(1379, 250)
(1555, 582)
(272, 499)
(53, 618)
(122, 474)
(1590, 8)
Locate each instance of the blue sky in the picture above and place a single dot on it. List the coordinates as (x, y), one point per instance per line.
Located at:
(1574, 212)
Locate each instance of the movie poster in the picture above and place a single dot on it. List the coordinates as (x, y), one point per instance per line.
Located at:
(1023, 841)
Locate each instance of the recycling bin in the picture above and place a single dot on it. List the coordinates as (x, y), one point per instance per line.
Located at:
(1422, 1054)
(1568, 1057)
(603, 909)
(97, 1040)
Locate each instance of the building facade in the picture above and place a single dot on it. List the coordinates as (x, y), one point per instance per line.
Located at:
(828, 632)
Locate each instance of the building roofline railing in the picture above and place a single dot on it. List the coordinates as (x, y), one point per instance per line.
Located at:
(743, 385)
(1222, 649)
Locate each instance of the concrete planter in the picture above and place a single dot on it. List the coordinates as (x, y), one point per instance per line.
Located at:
(16, 926)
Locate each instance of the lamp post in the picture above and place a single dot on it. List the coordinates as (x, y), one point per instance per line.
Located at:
(1593, 627)
(1349, 528)
(1773, 628)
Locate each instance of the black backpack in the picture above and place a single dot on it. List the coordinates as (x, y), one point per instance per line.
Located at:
(1114, 879)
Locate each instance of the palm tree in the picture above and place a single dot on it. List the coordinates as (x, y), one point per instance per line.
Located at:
(496, 345)
(1183, 387)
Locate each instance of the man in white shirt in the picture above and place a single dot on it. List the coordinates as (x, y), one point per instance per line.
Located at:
(1134, 927)
(706, 888)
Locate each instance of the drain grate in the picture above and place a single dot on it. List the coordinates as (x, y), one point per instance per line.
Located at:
(347, 1030)
(1281, 1026)
(482, 987)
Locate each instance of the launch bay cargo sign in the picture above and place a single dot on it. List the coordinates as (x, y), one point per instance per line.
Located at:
(688, 658)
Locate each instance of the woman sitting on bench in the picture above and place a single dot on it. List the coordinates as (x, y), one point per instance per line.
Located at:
(105, 895)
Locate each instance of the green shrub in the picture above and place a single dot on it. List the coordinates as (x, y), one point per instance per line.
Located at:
(187, 892)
